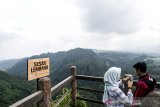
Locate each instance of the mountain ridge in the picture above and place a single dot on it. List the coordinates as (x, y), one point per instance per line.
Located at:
(88, 63)
(7, 64)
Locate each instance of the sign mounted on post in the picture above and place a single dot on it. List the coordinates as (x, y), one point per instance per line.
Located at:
(38, 68)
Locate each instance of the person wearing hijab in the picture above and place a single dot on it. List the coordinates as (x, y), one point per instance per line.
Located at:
(113, 96)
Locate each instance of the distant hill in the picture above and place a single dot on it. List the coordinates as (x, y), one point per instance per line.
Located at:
(13, 89)
(88, 62)
(7, 64)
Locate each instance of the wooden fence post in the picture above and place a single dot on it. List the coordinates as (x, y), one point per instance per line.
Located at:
(44, 84)
(73, 71)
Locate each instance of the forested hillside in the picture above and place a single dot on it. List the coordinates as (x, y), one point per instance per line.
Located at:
(88, 62)
(6, 64)
(13, 89)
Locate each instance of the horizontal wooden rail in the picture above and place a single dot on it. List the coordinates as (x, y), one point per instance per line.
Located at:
(57, 88)
(94, 78)
(30, 100)
(89, 100)
(37, 96)
(100, 79)
(89, 78)
(90, 90)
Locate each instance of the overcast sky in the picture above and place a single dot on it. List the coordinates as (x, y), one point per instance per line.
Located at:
(29, 27)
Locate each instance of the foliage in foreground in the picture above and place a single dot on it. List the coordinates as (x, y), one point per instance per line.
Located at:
(67, 100)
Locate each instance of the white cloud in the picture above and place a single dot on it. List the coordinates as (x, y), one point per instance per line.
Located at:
(107, 16)
(36, 26)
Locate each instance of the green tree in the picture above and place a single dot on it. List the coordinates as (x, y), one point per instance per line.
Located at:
(67, 100)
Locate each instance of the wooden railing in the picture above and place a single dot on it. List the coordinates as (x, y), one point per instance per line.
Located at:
(43, 96)
(98, 79)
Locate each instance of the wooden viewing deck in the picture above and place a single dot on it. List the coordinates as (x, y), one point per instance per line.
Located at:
(43, 96)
